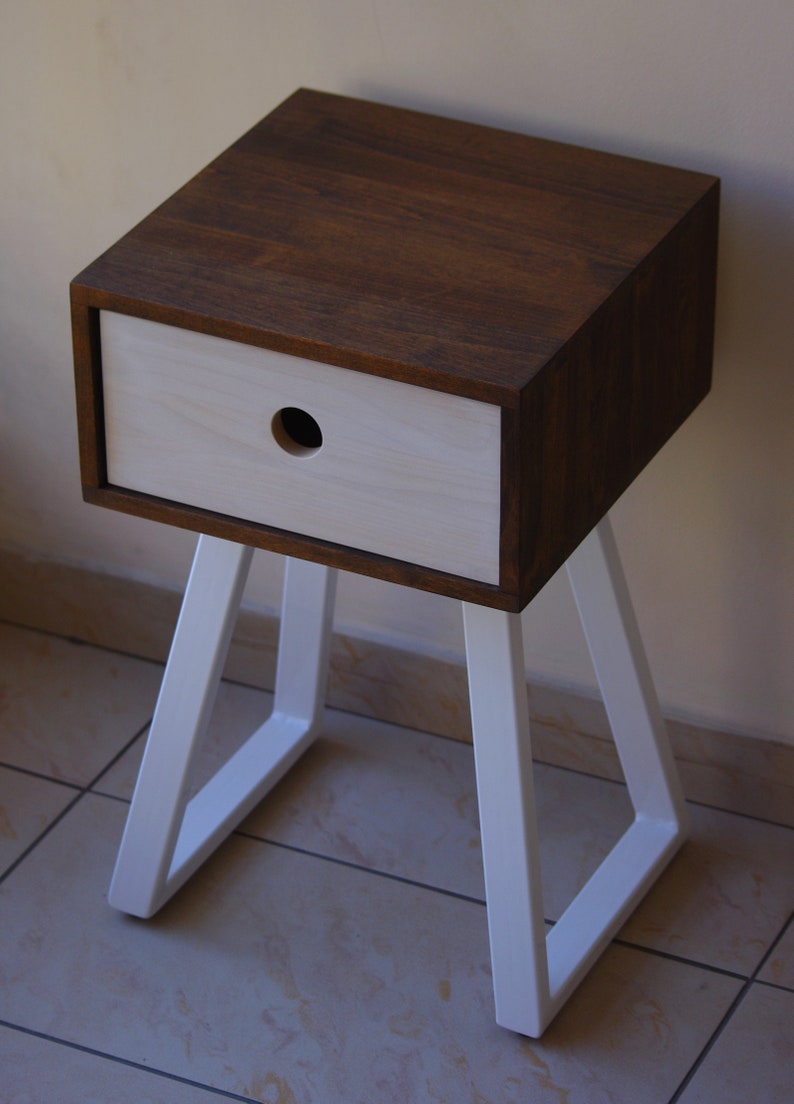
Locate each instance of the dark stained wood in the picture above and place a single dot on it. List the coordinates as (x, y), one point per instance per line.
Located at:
(573, 288)
(88, 386)
(614, 395)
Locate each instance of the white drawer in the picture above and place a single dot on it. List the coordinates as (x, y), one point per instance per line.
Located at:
(402, 471)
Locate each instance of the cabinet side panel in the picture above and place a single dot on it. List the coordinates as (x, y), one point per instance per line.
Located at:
(608, 402)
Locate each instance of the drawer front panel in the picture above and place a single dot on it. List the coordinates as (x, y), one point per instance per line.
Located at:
(365, 462)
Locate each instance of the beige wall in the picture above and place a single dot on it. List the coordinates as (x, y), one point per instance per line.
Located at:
(106, 106)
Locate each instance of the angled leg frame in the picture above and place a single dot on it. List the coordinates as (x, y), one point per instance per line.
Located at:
(167, 837)
(534, 973)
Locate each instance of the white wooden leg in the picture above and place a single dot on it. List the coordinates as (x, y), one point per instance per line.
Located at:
(506, 795)
(604, 604)
(168, 837)
(533, 977)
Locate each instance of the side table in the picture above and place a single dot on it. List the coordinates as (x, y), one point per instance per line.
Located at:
(427, 351)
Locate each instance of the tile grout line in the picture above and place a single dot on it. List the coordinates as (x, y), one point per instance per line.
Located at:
(722, 1025)
(362, 869)
(82, 787)
(78, 642)
(83, 1049)
(40, 775)
(79, 795)
(89, 789)
(119, 754)
(748, 981)
(467, 898)
(784, 929)
(777, 986)
(709, 967)
(616, 941)
(81, 790)
(709, 1046)
(42, 835)
(427, 886)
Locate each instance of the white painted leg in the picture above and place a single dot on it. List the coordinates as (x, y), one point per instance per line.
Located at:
(505, 791)
(168, 837)
(661, 822)
(533, 977)
(613, 637)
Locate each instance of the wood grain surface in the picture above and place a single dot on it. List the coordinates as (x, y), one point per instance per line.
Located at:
(572, 288)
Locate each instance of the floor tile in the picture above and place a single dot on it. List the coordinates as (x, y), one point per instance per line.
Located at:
(65, 708)
(238, 711)
(779, 967)
(725, 897)
(383, 797)
(402, 802)
(27, 806)
(753, 1058)
(405, 803)
(279, 975)
(37, 1070)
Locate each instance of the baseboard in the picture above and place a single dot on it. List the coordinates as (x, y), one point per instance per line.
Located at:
(732, 772)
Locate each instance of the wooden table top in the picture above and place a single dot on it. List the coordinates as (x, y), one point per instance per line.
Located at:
(447, 254)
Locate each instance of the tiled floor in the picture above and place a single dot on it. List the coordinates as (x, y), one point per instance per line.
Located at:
(335, 951)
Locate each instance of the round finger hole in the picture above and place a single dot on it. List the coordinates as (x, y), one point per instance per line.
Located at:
(296, 431)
